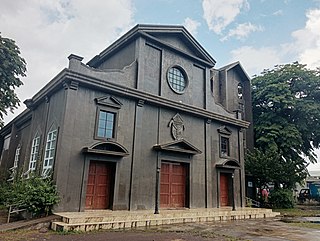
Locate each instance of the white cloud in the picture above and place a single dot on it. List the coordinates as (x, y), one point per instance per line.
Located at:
(255, 60)
(48, 31)
(219, 13)
(242, 31)
(278, 13)
(191, 25)
(305, 48)
(307, 40)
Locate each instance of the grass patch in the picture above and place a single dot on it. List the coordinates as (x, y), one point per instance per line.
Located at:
(297, 212)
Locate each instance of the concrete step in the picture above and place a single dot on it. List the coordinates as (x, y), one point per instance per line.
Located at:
(111, 216)
(106, 219)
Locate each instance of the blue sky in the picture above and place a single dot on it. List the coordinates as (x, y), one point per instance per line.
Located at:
(258, 33)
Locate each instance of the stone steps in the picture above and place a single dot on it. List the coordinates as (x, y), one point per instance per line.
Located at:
(106, 219)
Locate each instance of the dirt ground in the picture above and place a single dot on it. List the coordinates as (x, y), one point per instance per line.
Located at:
(249, 229)
(259, 229)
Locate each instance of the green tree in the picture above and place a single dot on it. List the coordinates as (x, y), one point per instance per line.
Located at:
(12, 66)
(286, 116)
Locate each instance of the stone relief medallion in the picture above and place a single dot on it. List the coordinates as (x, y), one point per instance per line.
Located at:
(177, 127)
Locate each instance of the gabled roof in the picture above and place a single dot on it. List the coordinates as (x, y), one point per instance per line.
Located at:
(238, 67)
(151, 32)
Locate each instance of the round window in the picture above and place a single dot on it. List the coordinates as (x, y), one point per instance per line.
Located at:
(177, 80)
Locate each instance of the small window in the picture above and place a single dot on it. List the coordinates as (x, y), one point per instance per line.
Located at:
(106, 123)
(240, 91)
(177, 80)
(49, 153)
(224, 146)
(34, 153)
(6, 142)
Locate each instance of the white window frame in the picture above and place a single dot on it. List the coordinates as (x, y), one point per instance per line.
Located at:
(34, 153)
(49, 153)
(16, 157)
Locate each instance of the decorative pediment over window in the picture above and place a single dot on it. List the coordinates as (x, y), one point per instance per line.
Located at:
(228, 163)
(224, 130)
(181, 146)
(110, 101)
(107, 148)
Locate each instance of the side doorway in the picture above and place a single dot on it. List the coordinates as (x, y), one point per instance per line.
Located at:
(225, 189)
(100, 185)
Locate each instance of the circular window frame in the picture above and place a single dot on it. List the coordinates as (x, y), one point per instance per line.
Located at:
(185, 76)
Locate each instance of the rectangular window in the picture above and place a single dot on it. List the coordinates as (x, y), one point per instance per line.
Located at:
(106, 124)
(6, 142)
(224, 146)
(49, 153)
(34, 153)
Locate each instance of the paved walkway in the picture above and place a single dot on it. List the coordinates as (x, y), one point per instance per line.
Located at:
(25, 223)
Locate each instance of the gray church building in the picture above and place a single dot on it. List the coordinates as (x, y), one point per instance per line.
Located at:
(147, 124)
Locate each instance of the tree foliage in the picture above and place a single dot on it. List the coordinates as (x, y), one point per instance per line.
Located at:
(12, 66)
(286, 116)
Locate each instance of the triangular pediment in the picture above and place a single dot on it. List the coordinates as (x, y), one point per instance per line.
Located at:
(107, 148)
(175, 37)
(110, 101)
(224, 130)
(181, 146)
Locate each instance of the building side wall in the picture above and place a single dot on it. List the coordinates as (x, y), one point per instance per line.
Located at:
(120, 58)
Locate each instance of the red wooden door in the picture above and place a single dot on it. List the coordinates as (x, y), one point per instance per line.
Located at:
(100, 185)
(173, 185)
(224, 190)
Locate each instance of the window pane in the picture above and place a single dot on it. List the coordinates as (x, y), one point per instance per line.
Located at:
(100, 132)
(109, 133)
(110, 116)
(103, 115)
(109, 125)
(101, 124)
(106, 124)
(224, 146)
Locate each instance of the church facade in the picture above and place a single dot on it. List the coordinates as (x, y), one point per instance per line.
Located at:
(147, 124)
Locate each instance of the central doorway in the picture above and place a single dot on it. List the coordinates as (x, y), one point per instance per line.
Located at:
(100, 185)
(173, 185)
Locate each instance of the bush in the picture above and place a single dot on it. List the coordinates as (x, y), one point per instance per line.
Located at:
(282, 198)
(37, 194)
(4, 192)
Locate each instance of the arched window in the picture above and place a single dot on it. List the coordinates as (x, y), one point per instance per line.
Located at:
(49, 152)
(17, 156)
(34, 152)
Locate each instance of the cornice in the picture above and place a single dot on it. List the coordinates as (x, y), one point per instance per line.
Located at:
(152, 99)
